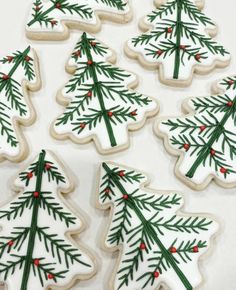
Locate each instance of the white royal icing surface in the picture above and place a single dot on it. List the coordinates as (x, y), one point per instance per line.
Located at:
(166, 277)
(120, 129)
(7, 108)
(168, 62)
(56, 227)
(58, 15)
(222, 149)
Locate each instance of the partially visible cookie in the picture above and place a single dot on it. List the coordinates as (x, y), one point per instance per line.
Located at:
(159, 246)
(36, 246)
(100, 102)
(52, 19)
(178, 42)
(19, 74)
(205, 139)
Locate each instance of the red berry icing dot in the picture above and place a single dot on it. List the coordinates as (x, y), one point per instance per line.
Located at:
(53, 22)
(213, 152)
(110, 114)
(195, 249)
(159, 52)
(142, 246)
(89, 62)
(230, 104)
(10, 243)
(202, 128)
(77, 53)
(186, 146)
(36, 194)
(198, 56)
(93, 43)
(58, 5)
(107, 190)
(29, 175)
(133, 113)
(5, 77)
(230, 82)
(173, 250)
(48, 166)
(36, 262)
(156, 274)
(125, 196)
(122, 173)
(50, 276)
(223, 170)
(82, 125)
(89, 94)
(9, 58)
(182, 46)
(169, 29)
(27, 58)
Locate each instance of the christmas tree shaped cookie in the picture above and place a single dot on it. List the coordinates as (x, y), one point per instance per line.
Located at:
(52, 19)
(19, 74)
(36, 247)
(100, 105)
(205, 139)
(178, 41)
(158, 245)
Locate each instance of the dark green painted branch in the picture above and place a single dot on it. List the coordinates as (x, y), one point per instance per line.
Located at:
(178, 39)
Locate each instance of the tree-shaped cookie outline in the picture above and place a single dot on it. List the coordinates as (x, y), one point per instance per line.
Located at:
(16, 92)
(114, 178)
(64, 252)
(183, 51)
(92, 61)
(121, 13)
(201, 112)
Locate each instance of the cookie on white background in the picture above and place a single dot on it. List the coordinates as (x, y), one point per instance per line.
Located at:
(177, 40)
(53, 19)
(158, 245)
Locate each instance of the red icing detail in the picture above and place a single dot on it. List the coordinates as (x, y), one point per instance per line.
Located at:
(213, 152)
(10, 243)
(36, 194)
(156, 274)
(202, 128)
(89, 94)
(195, 249)
(58, 5)
(36, 262)
(134, 113)
(142, 246)
(122, 173)
(223, 170)
(159, 52)
(50, 276)
(182, 46)
(230, 104)
(37, 8)
(5, 77)
(186, 146)
(53, 22)
(230, 82)
(48, 166)
(93, 43)
(125, 196)
(169, 29)
(173, 250)
(110, 114)
(82, 125)
(77, 53)
(198, 56)
(10, 58)
(27, 58)
(107, 190)
(29, 175)
(89, 62)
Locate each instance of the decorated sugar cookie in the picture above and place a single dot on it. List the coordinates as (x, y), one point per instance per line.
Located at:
(205, 138)
(52, 19)
(178, 41)
(158, 245)
(36, 247)
(19, 74)
(100, 104)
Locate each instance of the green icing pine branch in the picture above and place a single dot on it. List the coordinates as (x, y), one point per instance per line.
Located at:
(18, 248)
(208, 136)
(144, 223)
(99, 97)
(178, 40)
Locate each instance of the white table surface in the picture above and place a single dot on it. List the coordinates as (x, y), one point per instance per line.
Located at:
(146, 151)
